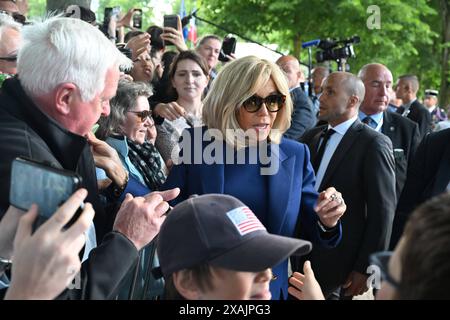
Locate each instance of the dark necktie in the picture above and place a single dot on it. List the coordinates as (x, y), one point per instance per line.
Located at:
(370, 122)
(318, 158)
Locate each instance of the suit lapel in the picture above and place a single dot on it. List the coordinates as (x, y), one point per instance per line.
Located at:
(341, 151)
(279, 185)
(388, 127)
(443, 173)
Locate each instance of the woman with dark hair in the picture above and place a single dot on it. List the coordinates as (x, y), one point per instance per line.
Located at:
(189, 77)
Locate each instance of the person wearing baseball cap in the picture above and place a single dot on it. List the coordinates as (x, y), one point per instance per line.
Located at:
(214, 247)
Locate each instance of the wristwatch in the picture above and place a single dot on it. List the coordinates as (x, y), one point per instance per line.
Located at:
(5, 264)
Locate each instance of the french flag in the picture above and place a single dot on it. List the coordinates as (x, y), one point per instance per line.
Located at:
(245, 220)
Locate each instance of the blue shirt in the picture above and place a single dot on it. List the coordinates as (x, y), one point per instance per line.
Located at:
(378, 118)
(331, 147)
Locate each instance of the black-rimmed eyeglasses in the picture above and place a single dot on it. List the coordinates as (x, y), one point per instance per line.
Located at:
(273, 103)
(381, 259)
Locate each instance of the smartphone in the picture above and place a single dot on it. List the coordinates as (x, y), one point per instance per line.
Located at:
(228, 47)
(172, 22)
(110, 12)
(137, 18)
(48, 187)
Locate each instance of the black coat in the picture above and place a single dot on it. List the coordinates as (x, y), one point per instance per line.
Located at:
(405, 138)
(26, 131)
(362, 169)
(418, 113)
(303, 117)
(428, 176)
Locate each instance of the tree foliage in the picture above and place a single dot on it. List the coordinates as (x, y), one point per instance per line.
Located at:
(408, 40)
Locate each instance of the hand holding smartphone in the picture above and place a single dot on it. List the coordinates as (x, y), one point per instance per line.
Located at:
(228, 47)
(137, 18)
(171, 21)
(48, 187)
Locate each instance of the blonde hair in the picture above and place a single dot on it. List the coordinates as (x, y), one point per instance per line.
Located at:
(237, 82)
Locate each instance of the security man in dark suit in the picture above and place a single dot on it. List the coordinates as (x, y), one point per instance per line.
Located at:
(428, 176)
(403, 132)
(349, 154)
(406, 89)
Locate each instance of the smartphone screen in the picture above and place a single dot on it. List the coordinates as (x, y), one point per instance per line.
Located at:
(171, 21)
(34, 182)
(137, 19)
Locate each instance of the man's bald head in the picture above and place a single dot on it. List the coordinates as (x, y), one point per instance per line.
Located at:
(377, 80)
(291, 67)
(318, 74)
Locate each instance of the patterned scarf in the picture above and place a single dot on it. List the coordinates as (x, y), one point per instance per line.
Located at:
(146, 158)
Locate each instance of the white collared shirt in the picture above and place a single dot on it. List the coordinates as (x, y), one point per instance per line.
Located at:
(331, 147)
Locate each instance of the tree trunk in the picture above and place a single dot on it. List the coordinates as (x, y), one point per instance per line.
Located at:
(61, 5)
(444, 96)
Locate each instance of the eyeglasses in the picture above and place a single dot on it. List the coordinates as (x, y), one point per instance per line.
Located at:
(274, 103)
(381, 259)
(16, 16)
(143, 115)
(10, 58)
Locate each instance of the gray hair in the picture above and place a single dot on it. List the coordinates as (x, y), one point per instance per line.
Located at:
(125, 100)
(62, 50)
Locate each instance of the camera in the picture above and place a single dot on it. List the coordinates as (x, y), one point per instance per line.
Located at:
(336, 50)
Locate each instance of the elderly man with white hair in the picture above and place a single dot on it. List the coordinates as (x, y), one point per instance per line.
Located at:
(68, 71)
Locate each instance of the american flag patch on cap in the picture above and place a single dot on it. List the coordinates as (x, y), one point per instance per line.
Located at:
(245, 220)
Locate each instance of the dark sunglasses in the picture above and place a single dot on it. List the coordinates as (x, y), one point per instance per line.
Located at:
(16, 16)
(381, 259)
(10, 58)
(274, 103)
(143, 115)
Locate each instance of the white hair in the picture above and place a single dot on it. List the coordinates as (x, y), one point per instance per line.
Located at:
(6, 22)
(61, 50)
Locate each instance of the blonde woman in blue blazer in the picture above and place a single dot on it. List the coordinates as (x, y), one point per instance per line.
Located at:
(241, 152)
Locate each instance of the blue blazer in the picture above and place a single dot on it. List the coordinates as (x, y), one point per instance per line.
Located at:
(291, 193)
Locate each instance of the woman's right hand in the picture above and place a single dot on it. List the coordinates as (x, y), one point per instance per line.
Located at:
(170, 111)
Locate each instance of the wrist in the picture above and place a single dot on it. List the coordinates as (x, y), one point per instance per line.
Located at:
(325, 228)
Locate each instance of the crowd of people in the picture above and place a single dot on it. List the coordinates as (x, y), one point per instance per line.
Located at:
(200, 182)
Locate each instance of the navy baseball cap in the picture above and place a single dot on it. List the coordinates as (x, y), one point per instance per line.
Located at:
(223, 232)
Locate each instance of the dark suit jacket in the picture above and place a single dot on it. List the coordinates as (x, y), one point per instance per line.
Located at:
(405, 138)
(362, 169)
(290, 190)
(418, 113)
(303, 117)
(428, 176)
